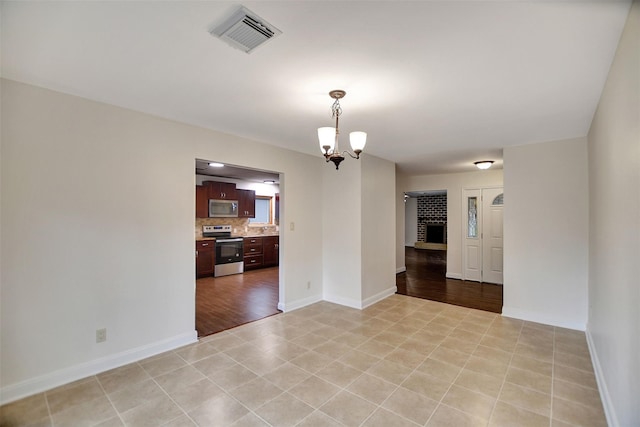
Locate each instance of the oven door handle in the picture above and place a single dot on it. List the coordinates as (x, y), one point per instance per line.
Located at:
(228, 240)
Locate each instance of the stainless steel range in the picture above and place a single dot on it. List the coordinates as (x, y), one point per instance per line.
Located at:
(229, 250)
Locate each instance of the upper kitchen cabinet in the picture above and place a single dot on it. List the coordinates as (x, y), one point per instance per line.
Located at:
(202, 202)
(221, 190)
(246, 203)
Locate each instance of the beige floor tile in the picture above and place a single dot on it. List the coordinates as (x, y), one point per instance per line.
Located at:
(389, 338)
(372, 388)
(194, 352)
(314, 391)
(534, 365)
(263, 363)
(152, 413)
(250, 420)
(220, 411)
(459, 345)
(429, 335)
(285, 410)
(376, 348)
(529, 379)
(575, 393)
(426, 385)
(350, 339)
(348, 408)
(392, 372)
(135, 395)
(242, 352)
(256, 393)
(30, 410)
(439, 369)
(312, 361)
(410, 359)
(485, 366)
(473, 403)
(494, 354)
(286, 376)
(384, 418)
(450, 356)
(161, 365)
(181, 421)
(212, 364)
(339, 374)
(414, 406)
(232, 377)
(181, 377)
(418, 346)
(577, 414)
(573, 361)
(122, 377)
(469, 325)
(464, 335)
(526, 398)
(67, 396)
(539, 353)
(576, 376)
(117, 422)
(481, 383)
(446, 416)
(194, 395)
(505, 415)
(332, 349)
(319, 419)
(88, 412)
(287, 350)
(501, 343)
(577, 349)
(359, 360)
(221, 342)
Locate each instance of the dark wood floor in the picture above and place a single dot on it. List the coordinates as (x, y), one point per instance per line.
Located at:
(426, 278)
(229, 301)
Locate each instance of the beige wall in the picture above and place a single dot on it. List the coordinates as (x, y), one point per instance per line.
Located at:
(97, 219)
(546, 233)
(614, 232)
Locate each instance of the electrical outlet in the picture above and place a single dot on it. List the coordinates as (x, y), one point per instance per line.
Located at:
(308, 285)
(101, 335)
(292, 226)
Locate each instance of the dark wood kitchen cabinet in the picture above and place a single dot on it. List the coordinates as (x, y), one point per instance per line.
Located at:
(252, 253)
(202, 202)
(270, 251)
(205, 258)
(221, 190)
(246, 203)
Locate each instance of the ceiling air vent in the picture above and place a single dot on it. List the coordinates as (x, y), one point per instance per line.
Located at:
(245, 30)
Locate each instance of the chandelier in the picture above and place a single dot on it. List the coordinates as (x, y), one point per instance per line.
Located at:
(328, 136)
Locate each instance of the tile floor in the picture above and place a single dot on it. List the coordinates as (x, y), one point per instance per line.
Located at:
(402, 362)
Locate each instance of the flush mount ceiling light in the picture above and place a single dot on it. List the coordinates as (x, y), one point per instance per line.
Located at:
(328, 136)
(269, 181)
(483, 164)
(216, 165)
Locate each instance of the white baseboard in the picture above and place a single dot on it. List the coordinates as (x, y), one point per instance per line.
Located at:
(401, 269)
(453, 276)
(343, 301)
(60, 377)
(612, 419)
(379, 296)
(299, 303)
(541, 318)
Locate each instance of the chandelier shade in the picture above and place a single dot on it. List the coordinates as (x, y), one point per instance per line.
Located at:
(328, 136)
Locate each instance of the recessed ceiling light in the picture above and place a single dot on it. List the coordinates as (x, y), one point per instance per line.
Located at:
(216, 165)
(269, 181)
(483, 164)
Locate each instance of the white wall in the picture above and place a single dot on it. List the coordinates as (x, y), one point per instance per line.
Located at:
(614, 232)
(378, 229)
(454, 184)
(411, 221)
(546, 233)
(97, 232)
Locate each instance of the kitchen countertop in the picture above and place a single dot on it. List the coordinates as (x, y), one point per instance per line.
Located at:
(201, 239)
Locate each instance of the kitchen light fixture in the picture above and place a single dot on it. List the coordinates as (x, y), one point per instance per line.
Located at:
(216, 165)
(328, 136)
(269, 181)
(483, 164)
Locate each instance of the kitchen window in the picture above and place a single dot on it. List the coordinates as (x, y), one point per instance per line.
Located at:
(263, 211)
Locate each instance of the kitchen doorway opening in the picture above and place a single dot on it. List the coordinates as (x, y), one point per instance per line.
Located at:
(231, 229)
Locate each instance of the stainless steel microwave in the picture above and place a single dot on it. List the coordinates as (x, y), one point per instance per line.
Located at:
(223, 208)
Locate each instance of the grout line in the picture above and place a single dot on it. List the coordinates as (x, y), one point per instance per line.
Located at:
(109, 398)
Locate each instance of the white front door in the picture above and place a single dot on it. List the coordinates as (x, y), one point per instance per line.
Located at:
(472, 251)
(492, 214)
(482, 228)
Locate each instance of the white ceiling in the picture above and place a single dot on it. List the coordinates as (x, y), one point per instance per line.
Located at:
(435, 84)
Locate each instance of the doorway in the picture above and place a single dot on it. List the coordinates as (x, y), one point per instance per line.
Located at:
(226, 299)
(482, 254)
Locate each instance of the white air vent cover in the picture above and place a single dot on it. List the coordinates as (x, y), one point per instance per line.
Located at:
(245, 30)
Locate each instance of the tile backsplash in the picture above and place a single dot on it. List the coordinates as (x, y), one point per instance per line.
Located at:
(240, 226)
